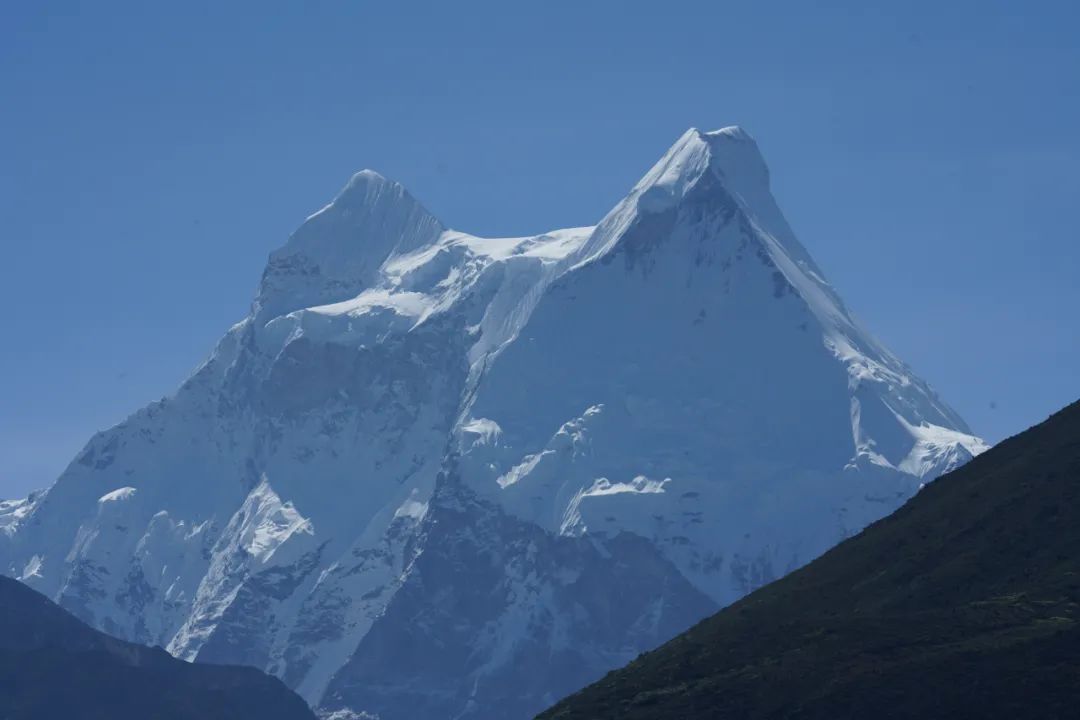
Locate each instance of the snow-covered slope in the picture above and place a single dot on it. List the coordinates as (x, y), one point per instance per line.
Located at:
(433, 475)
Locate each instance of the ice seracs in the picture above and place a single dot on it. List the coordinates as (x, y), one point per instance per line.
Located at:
(437, 475)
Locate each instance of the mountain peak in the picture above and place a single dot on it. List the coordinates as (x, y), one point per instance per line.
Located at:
(336, 253)
(735, 156)
(731, 131)
(730, 154)
(367, 185)
(727, 159)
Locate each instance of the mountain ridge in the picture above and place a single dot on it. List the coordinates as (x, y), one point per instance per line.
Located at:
(680, 373)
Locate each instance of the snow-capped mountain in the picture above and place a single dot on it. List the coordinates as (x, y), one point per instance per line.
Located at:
(433, 475)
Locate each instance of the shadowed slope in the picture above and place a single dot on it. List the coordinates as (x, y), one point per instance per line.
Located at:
(961, 604)
(54, 666)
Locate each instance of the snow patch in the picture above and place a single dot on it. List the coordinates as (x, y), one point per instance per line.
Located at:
(269, 522)
(118, 495)
(640, 484)
(32, 569)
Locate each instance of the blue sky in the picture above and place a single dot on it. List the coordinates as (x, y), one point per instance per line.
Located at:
(152, 154)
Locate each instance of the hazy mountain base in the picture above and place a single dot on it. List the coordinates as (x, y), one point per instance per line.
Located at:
(550, 593)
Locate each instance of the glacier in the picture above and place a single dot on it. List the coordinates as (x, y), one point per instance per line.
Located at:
(434, 475)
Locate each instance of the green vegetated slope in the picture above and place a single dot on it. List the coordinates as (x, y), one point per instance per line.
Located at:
(962, 604)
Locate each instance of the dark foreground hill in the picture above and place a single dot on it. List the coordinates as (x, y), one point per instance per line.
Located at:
(963, 604)
(54, 666)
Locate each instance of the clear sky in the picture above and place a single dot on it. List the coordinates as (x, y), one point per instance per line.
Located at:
(152, 154)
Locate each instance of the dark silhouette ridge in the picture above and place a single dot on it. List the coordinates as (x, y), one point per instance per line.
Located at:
(52, 665)
(962, 604)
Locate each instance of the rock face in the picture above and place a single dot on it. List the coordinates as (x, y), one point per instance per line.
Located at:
(433, 475)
